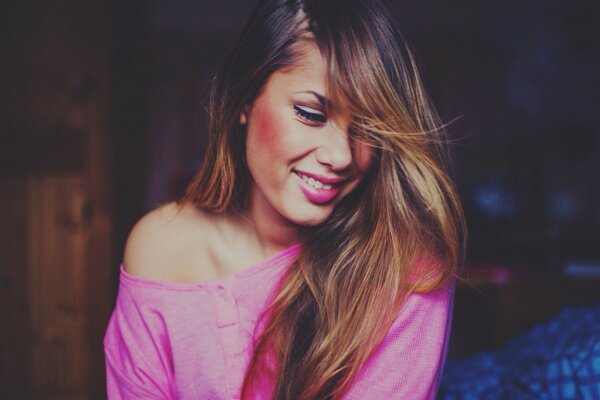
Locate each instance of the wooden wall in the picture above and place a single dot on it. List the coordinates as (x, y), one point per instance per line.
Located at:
(55, 201)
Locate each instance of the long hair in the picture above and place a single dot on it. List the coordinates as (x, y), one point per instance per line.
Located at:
(399, 231)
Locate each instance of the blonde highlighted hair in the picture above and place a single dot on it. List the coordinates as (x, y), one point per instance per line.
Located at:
(401, 230)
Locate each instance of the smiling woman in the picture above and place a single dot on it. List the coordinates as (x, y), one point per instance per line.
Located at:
(300, 156)
(313, 255)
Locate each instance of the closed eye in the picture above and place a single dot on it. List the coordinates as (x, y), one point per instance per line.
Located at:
(310, 114)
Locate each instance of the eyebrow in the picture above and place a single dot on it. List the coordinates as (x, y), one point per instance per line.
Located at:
(319, 97)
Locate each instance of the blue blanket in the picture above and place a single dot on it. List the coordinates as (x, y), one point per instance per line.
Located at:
(556, 360)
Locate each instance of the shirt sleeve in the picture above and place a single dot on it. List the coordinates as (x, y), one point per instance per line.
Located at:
(136, 347)
(409, 361)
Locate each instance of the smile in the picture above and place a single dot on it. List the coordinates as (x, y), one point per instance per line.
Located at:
(315, 183)
(316, 190)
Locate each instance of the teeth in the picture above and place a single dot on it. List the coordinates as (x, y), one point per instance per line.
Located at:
(315, 183)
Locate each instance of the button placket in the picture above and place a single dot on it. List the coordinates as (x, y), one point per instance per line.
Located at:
(228, 323)
(227, 313)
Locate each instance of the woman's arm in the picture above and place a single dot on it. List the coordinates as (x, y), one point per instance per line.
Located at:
(138, 364)
(136, 346)
(409, 361)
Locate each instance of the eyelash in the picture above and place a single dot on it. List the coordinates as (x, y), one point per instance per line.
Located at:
(312, 117)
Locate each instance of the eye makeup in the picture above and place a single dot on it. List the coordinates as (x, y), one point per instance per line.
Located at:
(310, 114)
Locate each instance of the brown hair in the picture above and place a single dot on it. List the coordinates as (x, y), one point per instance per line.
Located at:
(401, 230)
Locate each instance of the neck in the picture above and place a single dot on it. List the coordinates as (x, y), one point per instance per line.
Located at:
(271, 231)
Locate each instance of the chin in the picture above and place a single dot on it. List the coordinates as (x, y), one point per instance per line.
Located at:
(309, 218)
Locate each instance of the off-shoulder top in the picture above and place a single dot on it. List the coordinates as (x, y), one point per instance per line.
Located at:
(194, 340)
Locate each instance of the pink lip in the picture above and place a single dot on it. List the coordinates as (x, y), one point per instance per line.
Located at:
(324, 179)
(314, 194)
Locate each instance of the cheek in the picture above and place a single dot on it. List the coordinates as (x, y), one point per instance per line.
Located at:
(267, 140)
(363, 156)
(268, 132)
(265, 129)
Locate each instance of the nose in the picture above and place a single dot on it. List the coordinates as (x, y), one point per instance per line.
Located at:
(335, 150)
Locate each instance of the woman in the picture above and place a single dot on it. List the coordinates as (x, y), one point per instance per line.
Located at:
(313, 255)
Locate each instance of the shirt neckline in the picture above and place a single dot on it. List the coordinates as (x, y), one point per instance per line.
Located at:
(271, 262)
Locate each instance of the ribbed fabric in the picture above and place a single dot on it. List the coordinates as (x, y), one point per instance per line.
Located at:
(193, 341)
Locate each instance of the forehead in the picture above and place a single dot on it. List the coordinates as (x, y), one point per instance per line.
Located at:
(308, 57)
(308, 70)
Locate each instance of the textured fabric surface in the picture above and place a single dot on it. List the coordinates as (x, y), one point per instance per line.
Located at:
(556, 360)
(194, 341)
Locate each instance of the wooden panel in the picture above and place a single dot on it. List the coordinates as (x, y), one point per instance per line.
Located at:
(57, 236)
(56, 192)
(30, 149)
(99, 265)
(14, 331)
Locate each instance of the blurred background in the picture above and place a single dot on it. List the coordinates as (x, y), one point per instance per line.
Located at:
(104, 118)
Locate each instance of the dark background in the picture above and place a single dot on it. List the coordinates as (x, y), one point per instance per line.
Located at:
(103, 118)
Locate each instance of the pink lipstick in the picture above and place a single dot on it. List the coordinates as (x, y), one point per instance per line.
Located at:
(316, 188)
(324, 179)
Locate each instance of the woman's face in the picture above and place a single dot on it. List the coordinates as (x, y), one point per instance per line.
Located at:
(301, 158)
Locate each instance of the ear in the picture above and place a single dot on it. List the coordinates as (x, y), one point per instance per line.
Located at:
(243, 116)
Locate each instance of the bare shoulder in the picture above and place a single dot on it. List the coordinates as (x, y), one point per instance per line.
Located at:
(165, 242)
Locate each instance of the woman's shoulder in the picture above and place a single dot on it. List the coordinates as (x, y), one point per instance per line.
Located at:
(167, 243)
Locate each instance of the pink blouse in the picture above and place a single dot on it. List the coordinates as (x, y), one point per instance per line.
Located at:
(194, 340)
